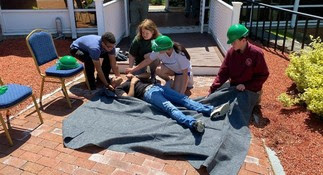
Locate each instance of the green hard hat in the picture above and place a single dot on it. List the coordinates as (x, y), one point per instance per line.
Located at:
(67, 62)
(3, 89)
(235, 32)
(161, 43)
(60, 66)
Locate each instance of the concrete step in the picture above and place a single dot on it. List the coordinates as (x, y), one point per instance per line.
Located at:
(206, 57)
(197, 70)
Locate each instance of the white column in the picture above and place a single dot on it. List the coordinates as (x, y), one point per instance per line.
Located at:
(72, 18)
(296, 5)
(236, 12)
(100, 16)
(1, 23)
(126, 2)
(202, 16)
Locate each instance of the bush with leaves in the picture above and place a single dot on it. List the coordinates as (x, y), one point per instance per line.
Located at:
(306, 70)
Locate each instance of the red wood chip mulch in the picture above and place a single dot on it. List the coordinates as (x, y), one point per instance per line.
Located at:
(294, 133)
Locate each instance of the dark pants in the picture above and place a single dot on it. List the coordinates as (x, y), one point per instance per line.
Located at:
(138, 12)
(89, 66)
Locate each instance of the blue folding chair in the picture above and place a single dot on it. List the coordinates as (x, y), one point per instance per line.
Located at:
(42, 48)
(12, 96)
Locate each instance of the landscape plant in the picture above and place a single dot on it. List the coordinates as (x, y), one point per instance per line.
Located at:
(306, 71)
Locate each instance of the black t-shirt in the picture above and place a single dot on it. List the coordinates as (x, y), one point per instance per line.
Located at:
(139, 89)
(138, 49)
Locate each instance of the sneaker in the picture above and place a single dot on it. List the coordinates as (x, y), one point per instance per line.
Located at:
(199, 126)
(220, 111)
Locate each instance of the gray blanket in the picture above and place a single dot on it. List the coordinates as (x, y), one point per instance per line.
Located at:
(131, 125)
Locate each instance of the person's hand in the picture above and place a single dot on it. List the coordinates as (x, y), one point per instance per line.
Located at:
(240, 87)
(110, 87)
(129, 76)
(208, 93)
(128, 70)
(134, 80)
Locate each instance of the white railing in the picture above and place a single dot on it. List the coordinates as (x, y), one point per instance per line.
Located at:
(22, 22)
(112, 19)
(222, 16)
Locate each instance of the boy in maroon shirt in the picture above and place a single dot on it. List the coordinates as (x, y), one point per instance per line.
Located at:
(244, 64)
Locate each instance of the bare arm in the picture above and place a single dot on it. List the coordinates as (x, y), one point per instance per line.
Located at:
(114, 66)
(143, 64)
(98, 68)
(185, 81)
(181, 82)
(131, 60)
(133, 82)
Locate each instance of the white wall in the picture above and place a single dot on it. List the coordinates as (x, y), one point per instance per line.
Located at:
(22, 22)
(219, 22)
(114, 18)
(222, 16)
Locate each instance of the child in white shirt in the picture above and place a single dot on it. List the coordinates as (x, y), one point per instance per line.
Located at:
(175, 62)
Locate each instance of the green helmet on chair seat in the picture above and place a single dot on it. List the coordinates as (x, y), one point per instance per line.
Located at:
(161, 43)
(67, 62)
(235, 32)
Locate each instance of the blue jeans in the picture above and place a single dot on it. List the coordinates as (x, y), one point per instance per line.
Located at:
(164, 97)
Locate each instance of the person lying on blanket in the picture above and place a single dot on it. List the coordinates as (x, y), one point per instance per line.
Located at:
(163, 97)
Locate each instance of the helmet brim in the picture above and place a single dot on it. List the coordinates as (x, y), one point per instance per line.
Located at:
(156, 48)
(243, 35)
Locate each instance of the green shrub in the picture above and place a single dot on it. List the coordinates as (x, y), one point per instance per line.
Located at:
(156, 2)
(288, 100)
(306, 70)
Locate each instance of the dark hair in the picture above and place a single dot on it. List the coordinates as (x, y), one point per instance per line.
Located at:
(244, 37)
(108, 37)
(179, 48)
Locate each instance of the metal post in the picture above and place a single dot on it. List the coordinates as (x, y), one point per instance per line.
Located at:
(305, 31)
(294, 34)
(277, 29)
(317, 28)
(296, 5)
(258, 16)
(285, 32)
(270, 23)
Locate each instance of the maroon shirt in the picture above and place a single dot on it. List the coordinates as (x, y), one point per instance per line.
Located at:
(248, 68)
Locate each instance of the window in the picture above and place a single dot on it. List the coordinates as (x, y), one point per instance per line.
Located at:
(33, 4)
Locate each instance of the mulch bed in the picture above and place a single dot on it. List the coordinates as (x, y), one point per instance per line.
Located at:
(17, 66)
(294, 133)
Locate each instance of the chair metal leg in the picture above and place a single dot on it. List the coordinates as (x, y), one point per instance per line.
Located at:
(8, 121)
(6, 130)
(41, 91)
(86, 80)
(37, 109)
(65, 93)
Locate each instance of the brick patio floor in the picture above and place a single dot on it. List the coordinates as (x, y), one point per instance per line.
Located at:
(39, 149)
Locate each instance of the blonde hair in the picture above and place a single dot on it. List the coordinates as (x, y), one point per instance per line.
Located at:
(148, 24)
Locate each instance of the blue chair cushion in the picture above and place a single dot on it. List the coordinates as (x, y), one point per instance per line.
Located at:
(52, 71)
(15, 94)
